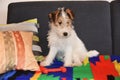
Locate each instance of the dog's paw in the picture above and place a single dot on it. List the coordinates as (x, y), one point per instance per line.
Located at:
(68, 65)
(93, 53)
(77, 64)
(45, 63)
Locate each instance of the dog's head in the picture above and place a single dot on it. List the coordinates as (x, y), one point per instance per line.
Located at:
(61, 21)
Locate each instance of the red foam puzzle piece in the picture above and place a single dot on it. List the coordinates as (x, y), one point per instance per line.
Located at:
(103, 68)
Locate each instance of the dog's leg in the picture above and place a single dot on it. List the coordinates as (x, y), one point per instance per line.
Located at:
(76, 60)
(68, 57)
(79, 55)
(51, 55)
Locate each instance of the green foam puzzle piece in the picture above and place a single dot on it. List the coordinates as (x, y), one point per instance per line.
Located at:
(83, 71)
(106, 57)
(117, 78)
(48, 77)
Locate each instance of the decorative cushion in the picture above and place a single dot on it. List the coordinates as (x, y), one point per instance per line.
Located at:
(16, 51)
(28, 25)
(16, 47)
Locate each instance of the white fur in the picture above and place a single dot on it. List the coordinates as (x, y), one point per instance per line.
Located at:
(69, 48)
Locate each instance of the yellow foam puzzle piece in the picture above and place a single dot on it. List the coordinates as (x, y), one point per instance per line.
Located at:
(117, 66)
(86, 61)
(36, 76)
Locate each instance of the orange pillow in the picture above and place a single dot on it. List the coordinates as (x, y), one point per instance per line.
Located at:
(16, 51)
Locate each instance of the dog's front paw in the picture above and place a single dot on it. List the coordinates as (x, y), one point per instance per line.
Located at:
(45, 63)
(67, 65)
(77, 64)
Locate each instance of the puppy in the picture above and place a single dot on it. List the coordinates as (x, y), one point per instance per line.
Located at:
(63, 40)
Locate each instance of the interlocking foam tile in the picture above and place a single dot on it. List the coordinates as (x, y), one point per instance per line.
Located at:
(95, 68)
(55, 64)
(21, 72)
(82, 72)
(94, 59)
(103, 68)
(117, 78)
(117, 66)
(68, 75)
(106, 57)
(110, 77)
(7, 75)
(24, 76)
(35, 76)
(86, 61)
(48, 77)
(114, 57)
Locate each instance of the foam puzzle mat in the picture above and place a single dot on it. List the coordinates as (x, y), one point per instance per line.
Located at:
(103, 67)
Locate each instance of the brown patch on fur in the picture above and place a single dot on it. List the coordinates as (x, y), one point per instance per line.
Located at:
(70, 13)
(54, 16)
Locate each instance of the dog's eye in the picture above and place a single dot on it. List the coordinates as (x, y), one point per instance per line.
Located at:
(60, 23)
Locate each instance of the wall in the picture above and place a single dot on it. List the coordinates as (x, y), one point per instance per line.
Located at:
(4, 5)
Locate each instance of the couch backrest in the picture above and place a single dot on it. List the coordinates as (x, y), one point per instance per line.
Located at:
(92, 21)
(115, 22)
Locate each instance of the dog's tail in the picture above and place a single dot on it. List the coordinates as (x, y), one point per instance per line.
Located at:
(93, 53)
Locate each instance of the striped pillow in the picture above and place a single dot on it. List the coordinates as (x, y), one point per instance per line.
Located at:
(28, 25)
(16, 51)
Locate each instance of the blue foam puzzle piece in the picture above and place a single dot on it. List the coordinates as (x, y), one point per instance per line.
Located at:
(94, 59)
(68, 75)
(114, 57)
(7, 75)
(24, 76)
(56, 64)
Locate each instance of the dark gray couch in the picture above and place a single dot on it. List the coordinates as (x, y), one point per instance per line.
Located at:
(97, 23)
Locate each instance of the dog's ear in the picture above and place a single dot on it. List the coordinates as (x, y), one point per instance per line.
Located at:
(54, 15)
(50, 16)
(70, 13)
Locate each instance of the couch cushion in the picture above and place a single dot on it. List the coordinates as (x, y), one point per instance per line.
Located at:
(92, 21)
(115, 19)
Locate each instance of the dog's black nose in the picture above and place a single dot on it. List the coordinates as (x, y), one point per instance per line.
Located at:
(65, 33)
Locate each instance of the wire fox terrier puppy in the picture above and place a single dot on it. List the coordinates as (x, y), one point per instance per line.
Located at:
(63, 40)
